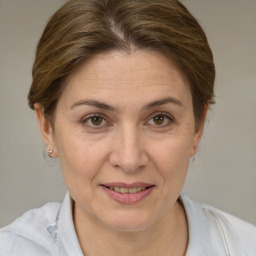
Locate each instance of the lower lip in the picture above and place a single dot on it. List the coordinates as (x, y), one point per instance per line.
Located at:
(126, 198)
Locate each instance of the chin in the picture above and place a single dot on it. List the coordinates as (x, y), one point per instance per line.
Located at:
(124, 222)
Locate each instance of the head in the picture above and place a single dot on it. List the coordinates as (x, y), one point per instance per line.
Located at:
(81, 29)
(123, 57)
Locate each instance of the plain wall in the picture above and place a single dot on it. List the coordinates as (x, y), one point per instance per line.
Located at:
(222, 174)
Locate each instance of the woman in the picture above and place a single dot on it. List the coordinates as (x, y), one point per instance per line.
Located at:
(121, 91)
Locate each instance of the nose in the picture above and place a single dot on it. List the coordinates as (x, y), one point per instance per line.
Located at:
(128, 150)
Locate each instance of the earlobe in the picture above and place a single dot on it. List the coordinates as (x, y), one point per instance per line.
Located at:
(45, 129)
(199, 132)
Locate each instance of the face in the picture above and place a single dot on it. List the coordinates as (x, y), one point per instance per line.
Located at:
(124, 133)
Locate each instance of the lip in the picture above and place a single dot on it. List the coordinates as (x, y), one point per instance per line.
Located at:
(126, 198)
(125, 185)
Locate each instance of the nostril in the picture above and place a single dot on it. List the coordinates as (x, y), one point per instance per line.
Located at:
(127, 159)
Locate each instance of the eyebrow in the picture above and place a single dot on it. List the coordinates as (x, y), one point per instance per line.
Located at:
(164, 101)
(93, 103)
(104, 106)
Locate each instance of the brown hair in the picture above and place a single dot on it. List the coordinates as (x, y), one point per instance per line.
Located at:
(82, 28)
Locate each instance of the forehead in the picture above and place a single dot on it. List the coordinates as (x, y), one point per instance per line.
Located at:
(137, 76)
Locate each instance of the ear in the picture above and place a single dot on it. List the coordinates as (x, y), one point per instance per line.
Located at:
(199, 132)
(46, 129)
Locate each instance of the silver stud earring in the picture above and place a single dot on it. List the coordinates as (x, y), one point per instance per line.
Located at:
(50, 152)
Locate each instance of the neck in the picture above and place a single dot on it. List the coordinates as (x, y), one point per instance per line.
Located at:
(168, 236)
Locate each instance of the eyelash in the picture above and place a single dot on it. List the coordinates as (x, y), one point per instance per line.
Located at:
(163, 114)
(85, 120)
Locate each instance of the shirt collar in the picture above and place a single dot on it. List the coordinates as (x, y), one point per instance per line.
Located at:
(204, 234)
(210, 233)
(63, 230)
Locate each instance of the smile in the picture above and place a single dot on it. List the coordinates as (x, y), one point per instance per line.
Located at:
(127, 190)
(128, 194)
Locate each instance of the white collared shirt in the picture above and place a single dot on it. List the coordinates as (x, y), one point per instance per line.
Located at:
(49, 230)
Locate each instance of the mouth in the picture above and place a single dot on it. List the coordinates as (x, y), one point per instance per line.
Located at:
(124, 190)
(128, 194)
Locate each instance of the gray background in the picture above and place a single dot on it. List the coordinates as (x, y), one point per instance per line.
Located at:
(222, 174)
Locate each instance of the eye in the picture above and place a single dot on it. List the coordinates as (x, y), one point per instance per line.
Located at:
(94, 121)
(160, 120)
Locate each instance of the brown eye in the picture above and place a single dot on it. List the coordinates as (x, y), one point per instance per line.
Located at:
(159, 119)
(96, 120)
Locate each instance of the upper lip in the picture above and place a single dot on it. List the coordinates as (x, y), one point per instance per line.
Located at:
(125, 185)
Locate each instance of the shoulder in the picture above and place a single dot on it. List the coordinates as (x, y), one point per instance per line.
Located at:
(231, 232)
(29, 232)
(244, 230)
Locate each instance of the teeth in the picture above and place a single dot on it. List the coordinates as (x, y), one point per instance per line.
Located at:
(132, 190)
(127, 190)
(117, 189)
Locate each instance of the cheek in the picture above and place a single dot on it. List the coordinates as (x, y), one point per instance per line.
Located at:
(172, 153)
(81, 159)
(171, 158)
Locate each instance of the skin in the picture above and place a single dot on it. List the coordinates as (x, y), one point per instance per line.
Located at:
(132, 141)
